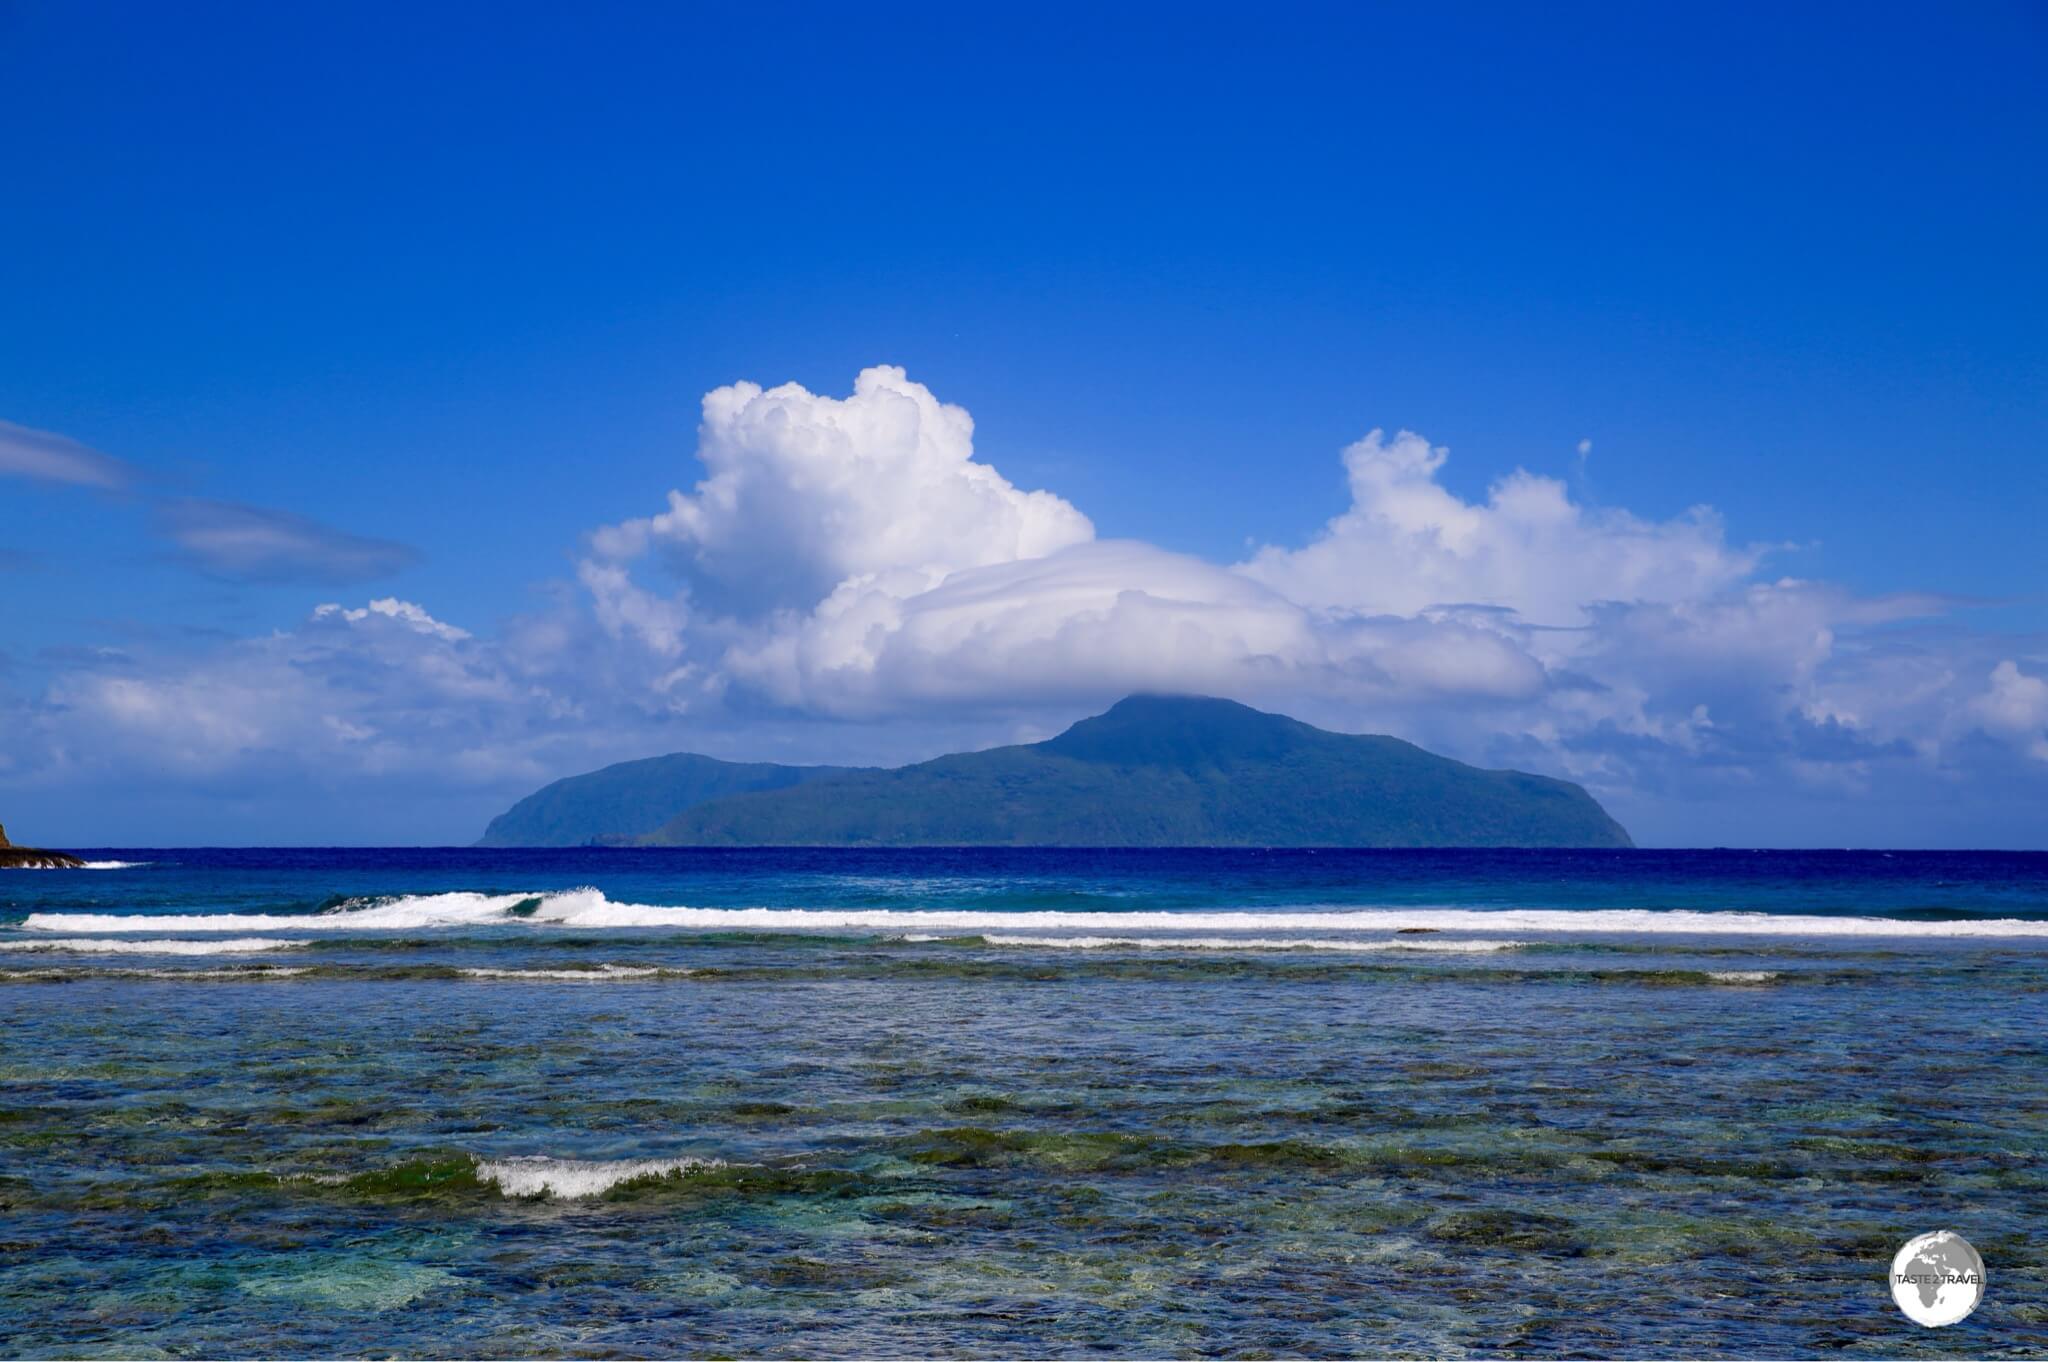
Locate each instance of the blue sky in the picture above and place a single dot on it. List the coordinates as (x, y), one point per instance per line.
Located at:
(360, 303)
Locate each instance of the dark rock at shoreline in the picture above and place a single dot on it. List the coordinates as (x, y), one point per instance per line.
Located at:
(13, 857)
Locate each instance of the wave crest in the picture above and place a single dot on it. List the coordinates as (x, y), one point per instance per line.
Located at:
(1240, 943)
(600, 974)
(244, 945)
(588, 909)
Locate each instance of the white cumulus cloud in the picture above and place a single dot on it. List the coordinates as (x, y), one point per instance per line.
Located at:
(406, 613)
(2015, 707)
(1408, 543)
(849, 558)
(1090, 621)
(805, 492)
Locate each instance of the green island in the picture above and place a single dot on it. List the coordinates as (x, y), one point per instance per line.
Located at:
(1154, 770)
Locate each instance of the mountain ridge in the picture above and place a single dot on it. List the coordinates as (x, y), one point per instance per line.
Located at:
(628, 799)
(1152, 770)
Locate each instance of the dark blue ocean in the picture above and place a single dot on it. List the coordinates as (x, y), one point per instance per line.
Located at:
(1044, 1103)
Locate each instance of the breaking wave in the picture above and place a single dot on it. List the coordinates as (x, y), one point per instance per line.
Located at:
(1237, 943)
(601, 974)
(571, 1179)
(234, 972)
(588, 909)
(404, 913)
(90, 865)
(241, 945)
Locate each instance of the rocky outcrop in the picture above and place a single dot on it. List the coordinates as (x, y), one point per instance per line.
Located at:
(13, 857)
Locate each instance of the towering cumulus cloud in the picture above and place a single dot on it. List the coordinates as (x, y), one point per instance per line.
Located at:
(850, 558)
(806, 493)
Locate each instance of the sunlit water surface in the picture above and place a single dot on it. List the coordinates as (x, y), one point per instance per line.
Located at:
(757, 1103)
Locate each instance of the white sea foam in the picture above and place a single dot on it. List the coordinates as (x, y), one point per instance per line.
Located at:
(241, 945)
(570, 1178)
(410, 912)
(589, 909)
(252, 972)
(602, 974)
(1240, 943)
(89, 865)
(1742, 976)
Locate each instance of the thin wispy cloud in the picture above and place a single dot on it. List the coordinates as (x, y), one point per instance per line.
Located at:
(242, 543)
(45, 456)
(227, 540)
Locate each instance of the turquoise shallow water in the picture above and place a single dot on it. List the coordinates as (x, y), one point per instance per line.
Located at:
(601, 1103)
